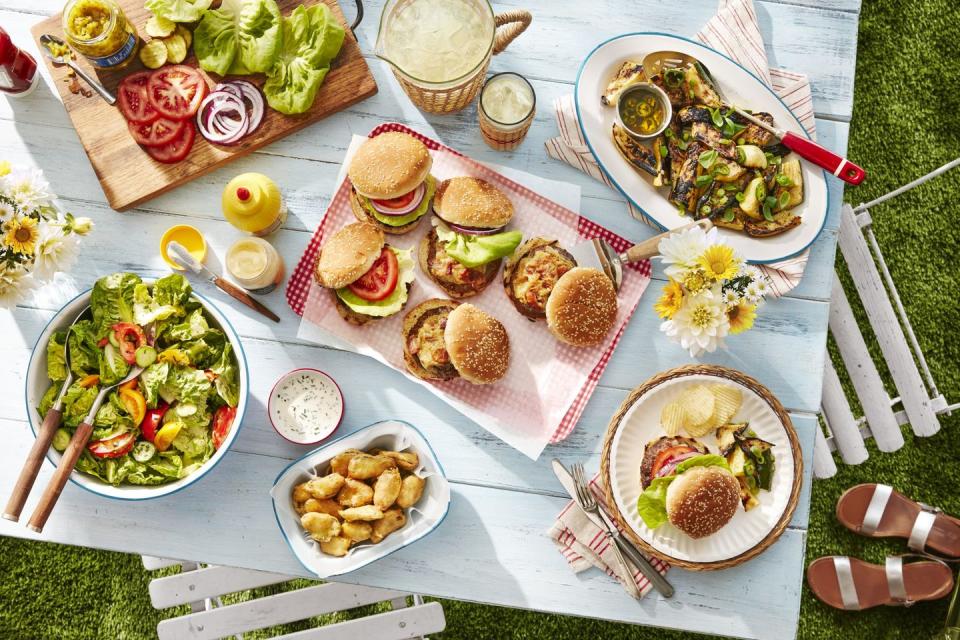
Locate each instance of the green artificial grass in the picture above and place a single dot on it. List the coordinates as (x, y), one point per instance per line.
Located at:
(906, 122)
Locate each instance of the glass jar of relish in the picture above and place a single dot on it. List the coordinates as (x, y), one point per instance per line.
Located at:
(101, 32)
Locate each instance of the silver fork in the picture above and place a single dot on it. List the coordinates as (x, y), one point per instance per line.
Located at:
(588, 503)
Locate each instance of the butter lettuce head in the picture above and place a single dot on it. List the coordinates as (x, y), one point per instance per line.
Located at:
(399, 221)
(652, 503)
(394, 302)
(311, 39)
(112, 300)
(476, 251)
(178, 10)
(241, 36)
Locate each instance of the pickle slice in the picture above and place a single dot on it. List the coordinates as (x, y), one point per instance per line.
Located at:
(186, 34)
(153, 54)
(176, 49)
(159, 27)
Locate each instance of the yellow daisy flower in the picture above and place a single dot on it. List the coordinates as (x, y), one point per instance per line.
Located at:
(695, 281)
(741, 316)
(21, 235)
(719, 262)
(670, 301)
(4, 167)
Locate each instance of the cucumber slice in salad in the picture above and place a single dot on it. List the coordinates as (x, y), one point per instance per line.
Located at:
(145, 355)
(61, 438)
(143, 451)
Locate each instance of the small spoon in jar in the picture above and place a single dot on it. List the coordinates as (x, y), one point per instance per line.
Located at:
(50, 42)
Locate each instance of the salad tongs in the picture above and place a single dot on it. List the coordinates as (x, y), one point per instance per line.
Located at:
(70, 456)
(51, 422)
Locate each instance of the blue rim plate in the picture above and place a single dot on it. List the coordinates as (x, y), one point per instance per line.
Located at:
(741, 86)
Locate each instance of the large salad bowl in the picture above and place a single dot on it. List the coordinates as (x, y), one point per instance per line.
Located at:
(37, 384)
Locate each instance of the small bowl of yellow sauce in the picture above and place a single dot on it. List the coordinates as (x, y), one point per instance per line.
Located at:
(644, 110)
(189, 237)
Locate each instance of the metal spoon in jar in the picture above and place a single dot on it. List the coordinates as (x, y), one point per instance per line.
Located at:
(48, 41)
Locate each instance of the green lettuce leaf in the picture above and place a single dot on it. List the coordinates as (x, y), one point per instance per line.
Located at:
(48, 399)
(652, 503)
(242, 35)
(84, 352)
(146, 309)
(311, 39)
(113, 368)
(172, 290)
(56, 358)
(112, 300)
(394, 302)
(152, 380)
(476, 251)
(227, 382)
(195, 326)
(178, 10)
(399, 221)
(186, 385)
(76, 404)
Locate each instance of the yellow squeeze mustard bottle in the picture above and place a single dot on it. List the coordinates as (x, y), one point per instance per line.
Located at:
(252, 203)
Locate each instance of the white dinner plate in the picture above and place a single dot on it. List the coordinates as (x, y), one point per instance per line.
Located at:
(747, 533)
(738, 85)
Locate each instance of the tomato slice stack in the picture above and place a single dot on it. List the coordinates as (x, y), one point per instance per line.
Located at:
(160, 106)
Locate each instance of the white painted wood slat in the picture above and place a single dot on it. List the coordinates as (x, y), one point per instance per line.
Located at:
(824, 466)
(269, 611)
(208, 582)
(886, 326)
(863, 372)
(843, 426)
(153, 563)
(414, 622)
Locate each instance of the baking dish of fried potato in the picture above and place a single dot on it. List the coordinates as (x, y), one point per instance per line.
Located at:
(360, 498)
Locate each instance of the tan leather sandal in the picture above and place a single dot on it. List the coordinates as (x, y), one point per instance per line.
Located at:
(878, 511)
(853, 585)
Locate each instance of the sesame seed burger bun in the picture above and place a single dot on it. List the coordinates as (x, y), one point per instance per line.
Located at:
(582, 308)
(389, 165)
(348, 254)
(701, 500)
(366, 217)
(478, 344)
(472, 202)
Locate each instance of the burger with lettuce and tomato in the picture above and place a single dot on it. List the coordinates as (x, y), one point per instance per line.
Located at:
(392, 186)
(367, 277)
(463, 251)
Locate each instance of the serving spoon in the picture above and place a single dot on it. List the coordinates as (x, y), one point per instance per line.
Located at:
(49, 40)
(654, 64)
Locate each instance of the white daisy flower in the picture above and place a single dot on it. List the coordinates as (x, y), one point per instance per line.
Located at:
(700, 325)
(680, 251)
(752, 292)
(7, 212)
(763, 286)
(54, 251)
(730, 297)
(15, 284)
(28, 188)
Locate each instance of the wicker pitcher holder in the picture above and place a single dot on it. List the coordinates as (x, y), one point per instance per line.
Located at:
(508, 25)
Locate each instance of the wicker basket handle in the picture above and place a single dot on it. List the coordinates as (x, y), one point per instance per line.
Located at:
(514, 23)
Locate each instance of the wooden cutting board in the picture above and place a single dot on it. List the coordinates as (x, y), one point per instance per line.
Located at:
(129, 176)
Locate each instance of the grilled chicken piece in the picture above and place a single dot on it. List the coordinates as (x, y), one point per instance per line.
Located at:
(754, 134)
(684, 192)
(694, 113)
(735, 223)
(776, 149)
(734, 170)
(635, 153)
(711, 137)
(629, 73)
(763, 228)
(701, 85)
(714, 201)
(661, 153)
(674, 152)
(674, 84)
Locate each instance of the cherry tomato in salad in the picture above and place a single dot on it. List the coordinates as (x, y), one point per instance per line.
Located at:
(113, 447)
(398, 202)
(166, 434)
(157, 133)
(380, 281)
(128, 337)
(133, 99)
(89, 380)
(135, 404)
(176, 91)
(666, 455)
(178, 149)
(103, 342)
(151, 422)
(222, 421)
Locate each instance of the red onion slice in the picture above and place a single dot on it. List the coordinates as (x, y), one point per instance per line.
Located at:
(474, 231)
(402, 211)
(214, 123)
(256, 107)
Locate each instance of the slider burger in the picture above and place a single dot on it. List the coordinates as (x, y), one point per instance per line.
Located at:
(392, 185)
(686, 486)
(443, 339)
(368, 278)
(463, 251)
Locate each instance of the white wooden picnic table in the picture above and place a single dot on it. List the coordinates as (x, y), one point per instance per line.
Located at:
(492, 547)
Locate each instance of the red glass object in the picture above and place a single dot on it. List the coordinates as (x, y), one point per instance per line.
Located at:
(18, 69)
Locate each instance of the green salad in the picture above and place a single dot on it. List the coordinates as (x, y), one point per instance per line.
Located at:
(166, 423)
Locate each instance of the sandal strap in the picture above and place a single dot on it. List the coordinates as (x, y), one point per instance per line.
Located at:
(878, 504)
(921, 528)
(848, 590)
(895, 583)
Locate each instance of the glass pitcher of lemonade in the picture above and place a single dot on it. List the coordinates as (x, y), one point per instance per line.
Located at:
(440, 49)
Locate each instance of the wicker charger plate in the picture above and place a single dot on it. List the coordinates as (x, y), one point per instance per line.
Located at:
(748, 534)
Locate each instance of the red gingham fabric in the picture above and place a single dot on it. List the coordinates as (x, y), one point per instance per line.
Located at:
(298, 286)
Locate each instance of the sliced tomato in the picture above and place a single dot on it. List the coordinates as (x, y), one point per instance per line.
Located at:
(157, 133)
(112, 447)
(135, 404)
(380, 281)
(89, 380)
(222, 421)
(666, 456)
(398, 202)
(129, 336)
(166, 435)
(133, 99)
(103, 342)
(176, 91)
(175, 151)
(151, 422)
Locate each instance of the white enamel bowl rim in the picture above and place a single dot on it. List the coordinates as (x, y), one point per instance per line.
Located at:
(594, 120)
(37, 384)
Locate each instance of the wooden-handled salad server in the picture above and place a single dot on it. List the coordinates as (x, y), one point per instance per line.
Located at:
(51, 422)
(70, 456)
(654, 64)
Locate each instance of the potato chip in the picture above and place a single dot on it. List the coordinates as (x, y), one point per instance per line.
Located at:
(697, 403)
(728, 400)
(673, 418)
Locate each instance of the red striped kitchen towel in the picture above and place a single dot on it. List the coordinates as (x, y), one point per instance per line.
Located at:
(735, 32)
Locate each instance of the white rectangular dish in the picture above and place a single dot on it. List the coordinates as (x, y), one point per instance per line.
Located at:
(422, 518)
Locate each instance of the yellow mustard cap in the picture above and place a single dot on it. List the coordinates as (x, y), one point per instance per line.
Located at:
(190, 237)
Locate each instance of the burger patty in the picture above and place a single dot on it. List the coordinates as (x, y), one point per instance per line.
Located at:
(655, 447)
(425, 343)
(533, 277)
(452, 275)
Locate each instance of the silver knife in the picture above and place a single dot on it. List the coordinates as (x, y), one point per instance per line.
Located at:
(658, 581)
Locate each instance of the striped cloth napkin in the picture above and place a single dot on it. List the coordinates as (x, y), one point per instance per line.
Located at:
(735, 32)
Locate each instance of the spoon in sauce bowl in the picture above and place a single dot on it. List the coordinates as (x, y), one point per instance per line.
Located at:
(59, 53)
